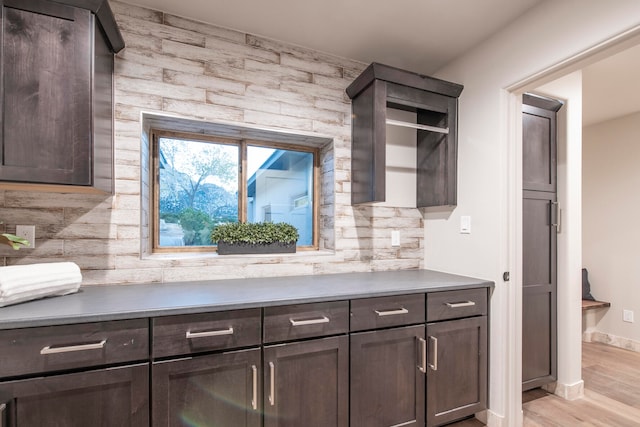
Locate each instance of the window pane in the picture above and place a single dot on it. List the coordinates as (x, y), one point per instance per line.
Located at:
(198, 189)
(280, 189)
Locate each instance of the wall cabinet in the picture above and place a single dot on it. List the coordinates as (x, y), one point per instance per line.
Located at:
(56, 95)
(435, 103)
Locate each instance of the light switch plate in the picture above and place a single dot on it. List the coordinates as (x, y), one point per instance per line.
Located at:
(465, 224)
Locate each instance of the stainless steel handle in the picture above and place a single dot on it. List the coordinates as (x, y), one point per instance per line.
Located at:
(423, 356)
(391, 312)
(323, 319)
(460, 304)
(554, 214)
(203, 334)
(434, 365)
(272, 384)
(81, 347)
(254, 398)
(3, 406)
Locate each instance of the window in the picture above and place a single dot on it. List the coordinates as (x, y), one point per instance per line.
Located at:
(201, 181)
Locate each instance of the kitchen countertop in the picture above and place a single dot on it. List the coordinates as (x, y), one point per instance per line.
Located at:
(116, 302)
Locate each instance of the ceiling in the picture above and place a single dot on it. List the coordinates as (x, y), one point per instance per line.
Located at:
(611, 87)
(417, 35)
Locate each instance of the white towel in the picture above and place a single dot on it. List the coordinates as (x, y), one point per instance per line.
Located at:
(19, 283)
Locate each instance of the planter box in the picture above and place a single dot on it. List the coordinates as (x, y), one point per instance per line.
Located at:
(225, 248)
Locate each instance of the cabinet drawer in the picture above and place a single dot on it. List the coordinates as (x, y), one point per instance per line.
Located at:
(456, 304)
(54, 348)
(195, 333)
(305, 320)
(383, 312)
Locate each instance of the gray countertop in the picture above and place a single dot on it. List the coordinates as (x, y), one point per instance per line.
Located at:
(116, 302)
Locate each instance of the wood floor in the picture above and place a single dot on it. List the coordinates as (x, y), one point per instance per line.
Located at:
(611, 399)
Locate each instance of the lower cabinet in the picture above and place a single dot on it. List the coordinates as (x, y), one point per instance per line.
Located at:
(387, 378)
(100, 398)
(213, 390)
(307, 383)
(401, 360)
(457, 369)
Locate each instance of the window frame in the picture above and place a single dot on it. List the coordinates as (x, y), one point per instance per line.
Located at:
(242, 144)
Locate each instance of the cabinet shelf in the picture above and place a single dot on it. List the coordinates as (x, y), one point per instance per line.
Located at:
(435, 103)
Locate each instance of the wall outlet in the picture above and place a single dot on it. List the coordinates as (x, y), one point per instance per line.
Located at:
(395, 237)
(627, 316)
(27, 232)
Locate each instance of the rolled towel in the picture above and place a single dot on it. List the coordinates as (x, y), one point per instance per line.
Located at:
(20, 283)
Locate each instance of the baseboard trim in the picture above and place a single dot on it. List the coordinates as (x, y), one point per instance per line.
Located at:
(491, 419)
(613, 340)
(566, 391)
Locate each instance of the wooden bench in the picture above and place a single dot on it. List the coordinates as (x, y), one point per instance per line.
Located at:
(589, 317)
(591, 305)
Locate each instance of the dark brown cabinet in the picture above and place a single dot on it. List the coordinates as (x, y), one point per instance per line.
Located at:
(101, 398)
(56, 96)
(457, 369)
(306, 383)
(64, 375)
(407, 359)
(435, 103)
(219, 389)
(388, 361)
(203, 374)
(387, 377)
(457, 354)
(539, 240)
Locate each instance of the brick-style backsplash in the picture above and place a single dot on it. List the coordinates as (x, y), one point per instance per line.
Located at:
(179, 67)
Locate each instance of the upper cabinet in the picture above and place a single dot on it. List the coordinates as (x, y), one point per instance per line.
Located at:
(435, 104)
(56, 94)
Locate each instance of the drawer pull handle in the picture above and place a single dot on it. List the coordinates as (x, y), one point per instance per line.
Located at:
(423, 355)
(254, 398)
(460, 304)
(272, 384)
(82, 347)
(391, 312)
(323, 319)
(434, 365)
(218, 333)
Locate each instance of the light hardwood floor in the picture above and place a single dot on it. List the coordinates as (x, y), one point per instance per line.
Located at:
(612, 394)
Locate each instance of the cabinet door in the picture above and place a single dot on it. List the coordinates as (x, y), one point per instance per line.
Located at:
(217, 390)
(105, 398)
(45, 93)
(539, 289)
(387, 378)
(539, 148)
(307, 383)
(457, 369)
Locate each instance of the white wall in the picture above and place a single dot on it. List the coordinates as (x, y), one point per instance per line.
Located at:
(611, 202)
(489, 165)
(569, 252)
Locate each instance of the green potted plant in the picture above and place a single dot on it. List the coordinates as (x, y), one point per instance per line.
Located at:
(254, 238)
